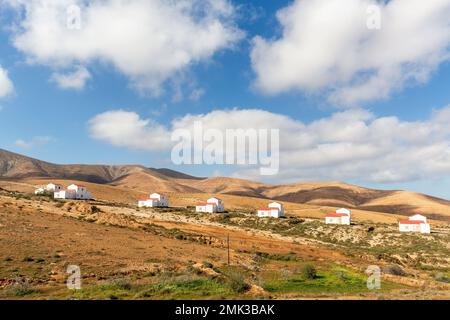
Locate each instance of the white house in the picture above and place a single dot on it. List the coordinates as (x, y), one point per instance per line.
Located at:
(342, 216)
(155, 200)
(418, 217)
(274, 210)
(51, 187)
(73, 191)
(415, 223)
(213, 205)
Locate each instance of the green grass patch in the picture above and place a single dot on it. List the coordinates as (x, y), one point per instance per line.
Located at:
(336, 280)
(199, 288)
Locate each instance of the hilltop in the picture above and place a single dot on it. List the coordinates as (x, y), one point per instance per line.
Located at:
(140, 179)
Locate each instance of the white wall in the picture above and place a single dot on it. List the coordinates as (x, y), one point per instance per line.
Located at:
(409, 227)
(332, 220)
(210, 208)
(219, 204)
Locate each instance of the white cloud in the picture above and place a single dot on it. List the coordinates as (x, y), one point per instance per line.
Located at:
(6, 85)
(126, 129)
(327, 48)
(149, 41)
(33, 142)
(349, 145)
(75, 80)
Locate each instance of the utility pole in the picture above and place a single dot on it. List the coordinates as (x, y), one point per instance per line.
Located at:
(228, 245)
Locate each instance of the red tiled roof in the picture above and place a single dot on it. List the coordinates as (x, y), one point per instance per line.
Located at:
(336, 215)
(410, 222)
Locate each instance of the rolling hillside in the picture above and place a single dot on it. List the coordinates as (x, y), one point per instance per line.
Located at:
(15, 167)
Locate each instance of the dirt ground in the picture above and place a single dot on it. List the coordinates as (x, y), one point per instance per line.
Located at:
(40, 238)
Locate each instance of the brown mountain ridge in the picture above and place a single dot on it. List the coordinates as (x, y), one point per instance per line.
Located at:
(16, 167)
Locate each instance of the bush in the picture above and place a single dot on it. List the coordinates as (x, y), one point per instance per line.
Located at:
(279, 257)
(394, 270)
(121, 284)
(341, 275)
(21, 289)
(442, 278)
(309, 272)
(237, 282)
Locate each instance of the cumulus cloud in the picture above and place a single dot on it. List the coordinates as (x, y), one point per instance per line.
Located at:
(33, 142)
(349, 145)
(126, 129)
(149, 41)
(75, 80)
(6, 85)
(327, 48)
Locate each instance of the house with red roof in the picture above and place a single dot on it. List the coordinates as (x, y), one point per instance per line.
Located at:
(341, 216)
(212, 205)
(155, 200)
(415, 223)
(273, 210)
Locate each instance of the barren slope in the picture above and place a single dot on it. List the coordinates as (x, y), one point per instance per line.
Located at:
(17, 168)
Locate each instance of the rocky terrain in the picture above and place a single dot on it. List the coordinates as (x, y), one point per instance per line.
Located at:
(129, 253)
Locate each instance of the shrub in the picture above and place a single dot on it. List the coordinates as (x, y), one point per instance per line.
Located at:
(179, 237)
(21, 289)
(394, 270)
(341, 275)
(121, 284)
(309, 272)
(95, 209)
(442, 278)
(237, 282)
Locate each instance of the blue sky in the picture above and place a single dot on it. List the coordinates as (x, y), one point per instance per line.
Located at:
(43, 118)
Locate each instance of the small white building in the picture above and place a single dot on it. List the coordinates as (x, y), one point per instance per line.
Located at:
(341, 216)
(50, 188)
(415, 223)
(273, 210)
(213, 205)
(155, 200)
(74, 192)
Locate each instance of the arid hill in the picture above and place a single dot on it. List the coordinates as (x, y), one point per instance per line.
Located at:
(138, 178)
(14, 166)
